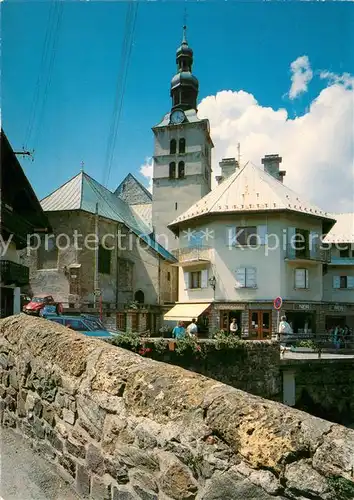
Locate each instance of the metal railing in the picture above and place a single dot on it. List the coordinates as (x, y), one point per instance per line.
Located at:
(318, 343)
(192, 253)
(13, 273)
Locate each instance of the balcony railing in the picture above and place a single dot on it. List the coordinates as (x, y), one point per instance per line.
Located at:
(12, 273)
(316, 253)
(192, 255)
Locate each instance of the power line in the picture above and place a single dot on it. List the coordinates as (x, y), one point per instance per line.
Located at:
(127, 45)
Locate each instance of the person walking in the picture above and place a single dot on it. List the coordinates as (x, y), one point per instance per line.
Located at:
(179, 332)
(192, 328)
(284, 330)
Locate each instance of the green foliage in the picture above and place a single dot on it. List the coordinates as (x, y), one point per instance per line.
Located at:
(160, 346)
(128, 340)
(342, 488)
(307, 343)
(187, 345)
(224, 340)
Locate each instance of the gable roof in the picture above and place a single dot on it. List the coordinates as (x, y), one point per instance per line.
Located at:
(250, 189)
(82, 192)
(343, 229)
(133, 192)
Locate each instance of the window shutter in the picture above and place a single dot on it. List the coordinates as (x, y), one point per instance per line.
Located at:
(336, 281)
(240, 277)
(307, 284)
(350, 281)
(300, 278)
(251, 277)
(231, 236)
(314, 244)
(204, 278)
(291, 251)
(186, 281)
(262, 234)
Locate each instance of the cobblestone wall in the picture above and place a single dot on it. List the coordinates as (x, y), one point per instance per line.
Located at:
(122, 427)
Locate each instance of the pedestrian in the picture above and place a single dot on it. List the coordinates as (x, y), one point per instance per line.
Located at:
(192, 328)
(179, 332)
(233, 327)
(284, 330)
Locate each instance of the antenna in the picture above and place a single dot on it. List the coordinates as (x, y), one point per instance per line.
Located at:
(185, 16)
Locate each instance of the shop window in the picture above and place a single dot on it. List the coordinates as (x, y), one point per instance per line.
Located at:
(47, 254)
(104, 260)
(181, 171)
(182, 146)
(246, 277)
(301, 278)
(173, 146)
(172, 170)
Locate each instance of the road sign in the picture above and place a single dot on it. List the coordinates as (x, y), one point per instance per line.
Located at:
(278, 302)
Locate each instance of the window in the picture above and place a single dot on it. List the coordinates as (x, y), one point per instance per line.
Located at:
(343, 282)
(76, 324)
(302, 242)
(47, 254)
(176, 205)
(104, 260)
(246, 235)
(168, 276)
(181, 170)
(196, 279)
(139, 297)
(173, 147)
(182, 146)
(121, 321)
(301, 278)
(344, 252)
(172, 171)
(246, 277)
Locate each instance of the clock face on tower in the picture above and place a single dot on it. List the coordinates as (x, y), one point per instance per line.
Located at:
(177, 117)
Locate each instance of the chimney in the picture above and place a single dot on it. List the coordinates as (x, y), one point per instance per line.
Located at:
(228, 167)
(271, 166)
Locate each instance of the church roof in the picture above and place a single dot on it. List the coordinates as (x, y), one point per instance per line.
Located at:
(132, 191)
(250, 189)
(343, 229)
(82, 192)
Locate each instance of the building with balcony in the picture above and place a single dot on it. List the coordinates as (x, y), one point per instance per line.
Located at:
(338, 278)
(21, 215)
(248, 241)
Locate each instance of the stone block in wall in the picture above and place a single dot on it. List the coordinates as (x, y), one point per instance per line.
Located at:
(176, 479)
(100, 490)
(123, 493)
(74, 448)
(68, 464)
(82, 480)
(91, 416)
(94, 459)
(144, 484)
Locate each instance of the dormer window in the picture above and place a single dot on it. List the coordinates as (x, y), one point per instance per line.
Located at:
(182, 146)
(181, 170)
(173, 147)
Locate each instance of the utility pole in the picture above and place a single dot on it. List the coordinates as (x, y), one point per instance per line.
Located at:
(25, 153)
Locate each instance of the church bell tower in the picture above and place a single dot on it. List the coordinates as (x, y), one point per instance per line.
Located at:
(182, 151)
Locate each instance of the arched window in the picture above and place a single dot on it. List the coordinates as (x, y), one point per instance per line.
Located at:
(172, 170)
(173, 146)
(139, 297)
(182, 146)
(181, 170)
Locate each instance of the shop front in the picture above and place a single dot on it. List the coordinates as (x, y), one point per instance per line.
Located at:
(341, 315)
(302, 317)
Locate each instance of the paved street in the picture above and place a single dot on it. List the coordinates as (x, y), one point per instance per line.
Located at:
(27, 476)
(313, 355)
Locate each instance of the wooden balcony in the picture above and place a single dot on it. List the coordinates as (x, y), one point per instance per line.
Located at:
(12, 273)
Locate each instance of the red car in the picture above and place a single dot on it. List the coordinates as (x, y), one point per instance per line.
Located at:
(38, 302)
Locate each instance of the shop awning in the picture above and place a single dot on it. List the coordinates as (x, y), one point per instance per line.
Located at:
(185, 312)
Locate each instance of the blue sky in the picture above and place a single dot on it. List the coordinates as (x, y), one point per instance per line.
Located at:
(247, 46)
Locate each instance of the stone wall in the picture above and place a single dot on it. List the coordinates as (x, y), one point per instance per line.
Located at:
(123, 427)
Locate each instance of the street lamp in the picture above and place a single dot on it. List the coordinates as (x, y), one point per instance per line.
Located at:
(212, 282)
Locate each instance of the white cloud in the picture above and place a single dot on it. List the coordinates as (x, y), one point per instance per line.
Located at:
(317, 147)
(301, 76)
(146, 170)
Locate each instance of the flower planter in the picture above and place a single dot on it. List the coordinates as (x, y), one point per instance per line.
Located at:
(171, 345)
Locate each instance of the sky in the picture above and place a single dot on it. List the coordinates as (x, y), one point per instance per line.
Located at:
(276, 77)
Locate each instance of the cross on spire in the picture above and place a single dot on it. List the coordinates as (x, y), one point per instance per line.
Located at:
(82, 166)
(185, 25)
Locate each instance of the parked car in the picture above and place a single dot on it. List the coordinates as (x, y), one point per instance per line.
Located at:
(38, 303)
(91, 327)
